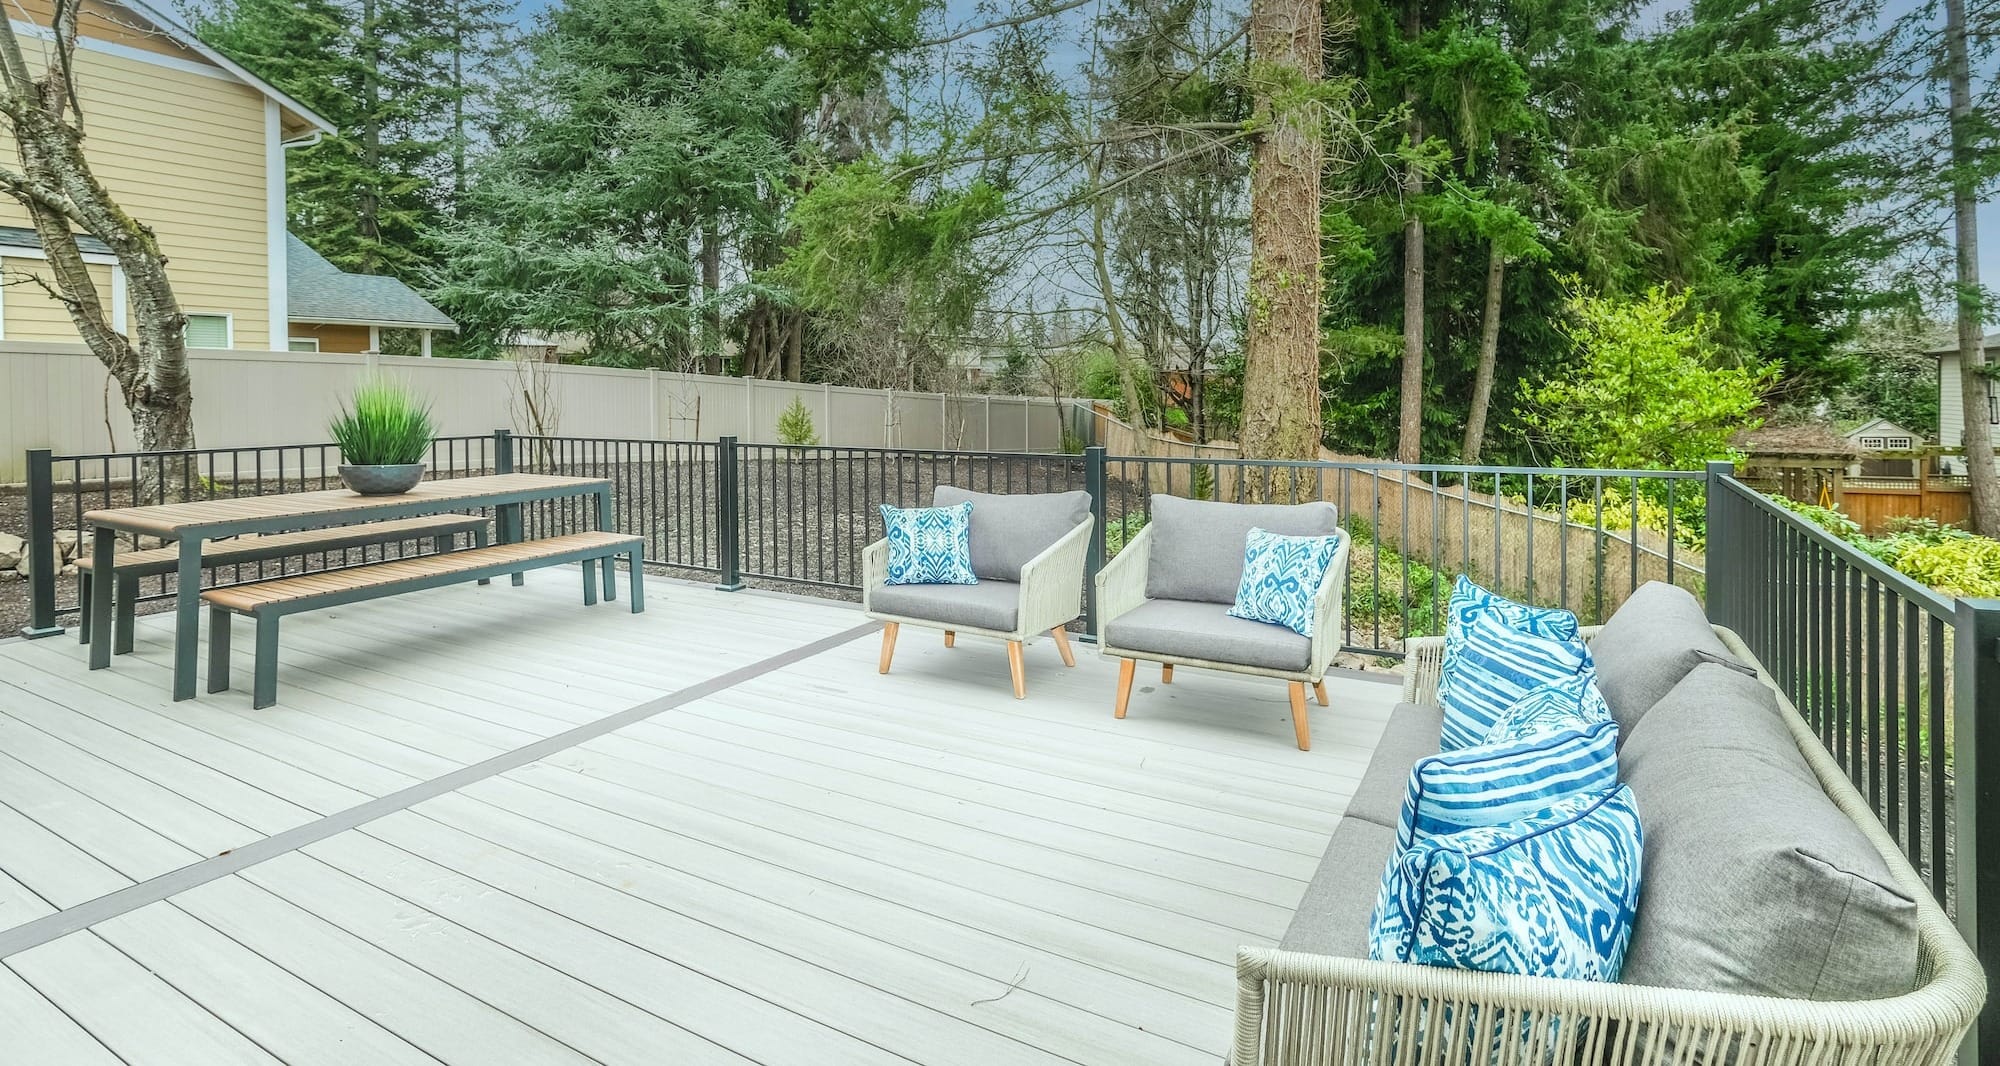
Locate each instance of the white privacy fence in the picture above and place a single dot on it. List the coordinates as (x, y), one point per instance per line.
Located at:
(58, 396)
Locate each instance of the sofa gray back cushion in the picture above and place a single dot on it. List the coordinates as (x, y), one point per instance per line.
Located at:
(1008, 529)
(1198, 544)
(1753, 881)
(1653, 640)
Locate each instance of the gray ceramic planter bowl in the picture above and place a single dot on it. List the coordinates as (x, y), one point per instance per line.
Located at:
(382, 480)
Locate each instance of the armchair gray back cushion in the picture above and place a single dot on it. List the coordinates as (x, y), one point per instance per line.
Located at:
(1198, 544)
(1008, 529)
(1754, 882)
(1651, 642)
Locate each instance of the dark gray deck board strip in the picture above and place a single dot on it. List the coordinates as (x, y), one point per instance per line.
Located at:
(84, 915)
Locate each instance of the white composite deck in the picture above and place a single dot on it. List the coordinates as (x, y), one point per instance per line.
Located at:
(777, 856)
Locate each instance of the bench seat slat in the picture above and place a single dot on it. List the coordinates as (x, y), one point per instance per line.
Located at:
(249, 598)
(150, 561)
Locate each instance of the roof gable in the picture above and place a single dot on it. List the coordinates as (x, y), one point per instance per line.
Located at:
(318, 291)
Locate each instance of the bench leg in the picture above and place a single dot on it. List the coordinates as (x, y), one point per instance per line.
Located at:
(127, 611)
(479, 541)
(638, 581)
(83, 608)
(442, 543)
(265, 690)
(590, 582)
(610, 579)
(218, 650)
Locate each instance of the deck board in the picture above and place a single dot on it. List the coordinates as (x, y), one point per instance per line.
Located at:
(813, 863)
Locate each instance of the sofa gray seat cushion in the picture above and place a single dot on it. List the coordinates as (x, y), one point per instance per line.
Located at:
(992, 605)
(1009, 529)
(1187, 629)
(1334, 913)
(1198, 544)
(1754, 881)
(1412, 734)
(1646, 648)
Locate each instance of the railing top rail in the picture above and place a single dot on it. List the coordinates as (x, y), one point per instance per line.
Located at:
(292, 446)
(878, 450)
(677, 442)
(1939, 605)
(1414, 468)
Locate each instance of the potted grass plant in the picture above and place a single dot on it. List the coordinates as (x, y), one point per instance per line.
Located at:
(383, 433)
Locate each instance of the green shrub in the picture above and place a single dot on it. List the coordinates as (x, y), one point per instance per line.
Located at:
(1119, 533)
(385, 424)
(795, 425)
(1828, 518)
(1963, 566)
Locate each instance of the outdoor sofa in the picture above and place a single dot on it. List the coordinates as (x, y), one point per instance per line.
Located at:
(1165, 598)
(1779, 924)
(1028, 552)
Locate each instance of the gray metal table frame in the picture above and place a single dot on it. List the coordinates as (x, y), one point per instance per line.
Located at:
(190, 535)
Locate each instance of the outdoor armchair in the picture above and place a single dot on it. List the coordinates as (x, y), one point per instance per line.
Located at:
(1165, 598)
(1028, 551)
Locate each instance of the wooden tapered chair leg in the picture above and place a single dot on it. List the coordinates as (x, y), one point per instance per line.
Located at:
(1319, 691)
(1299, 723)
(1166, 673)
(888, 643)
(1014, 664)
(1062, 645)
(950, 639)
(1125, 668)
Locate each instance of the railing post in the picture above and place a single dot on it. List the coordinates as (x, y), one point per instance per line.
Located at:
(728, 517)
(503, 451)
(1976, 852)
(1093, 483)
(41, 546)
(1720, 561)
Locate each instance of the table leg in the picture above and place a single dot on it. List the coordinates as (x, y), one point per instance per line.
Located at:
(507, 523)
(610, 562)
(187, 616)
(102, 544)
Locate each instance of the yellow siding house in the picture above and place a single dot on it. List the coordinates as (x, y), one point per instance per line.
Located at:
(188, 142)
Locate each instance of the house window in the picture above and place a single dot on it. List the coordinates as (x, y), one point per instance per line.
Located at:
(1992, 406)
(1875, 444)
(302, 344)
(208, 331)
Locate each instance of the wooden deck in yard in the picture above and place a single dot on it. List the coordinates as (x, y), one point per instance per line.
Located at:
(777, 856)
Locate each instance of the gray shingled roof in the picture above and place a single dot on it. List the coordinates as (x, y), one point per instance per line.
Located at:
(322, 292)
(23, 237)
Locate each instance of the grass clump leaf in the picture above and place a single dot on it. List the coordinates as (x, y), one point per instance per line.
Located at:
(384, 424)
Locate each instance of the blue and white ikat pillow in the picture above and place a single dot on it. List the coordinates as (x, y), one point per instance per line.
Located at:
(1549, 896)
(929, 545)
(1561, 705)
(1281, 575)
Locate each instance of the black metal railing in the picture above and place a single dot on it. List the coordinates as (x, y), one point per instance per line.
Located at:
(1901, 684)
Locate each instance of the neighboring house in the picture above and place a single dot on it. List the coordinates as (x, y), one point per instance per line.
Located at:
(1882, 435)
(1951, 403)
(189, 143)
(335, 311)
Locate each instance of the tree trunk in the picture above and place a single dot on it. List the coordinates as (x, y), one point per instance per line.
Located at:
(1114, 318)
(62, 195)
(1489, 356)
(369, 220)
(1410, 430)
(457, 106)
(1281, 397)
(1981, 467)
(711, 288)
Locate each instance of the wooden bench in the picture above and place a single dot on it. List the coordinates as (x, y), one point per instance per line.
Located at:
(269, 601)
(129, 567)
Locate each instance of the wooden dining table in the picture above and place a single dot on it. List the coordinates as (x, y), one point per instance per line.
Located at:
(192, 523)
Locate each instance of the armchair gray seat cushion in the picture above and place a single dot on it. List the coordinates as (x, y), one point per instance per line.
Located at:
(1755, 882)
(991, 604)
(1413, 733)
(1198, 544)
(1187, 629)
(1333, 915)
(1647, 646)
(1008, 529)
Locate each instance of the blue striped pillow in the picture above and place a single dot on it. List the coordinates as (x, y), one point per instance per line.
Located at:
(1489, 664)
(1494, 784)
